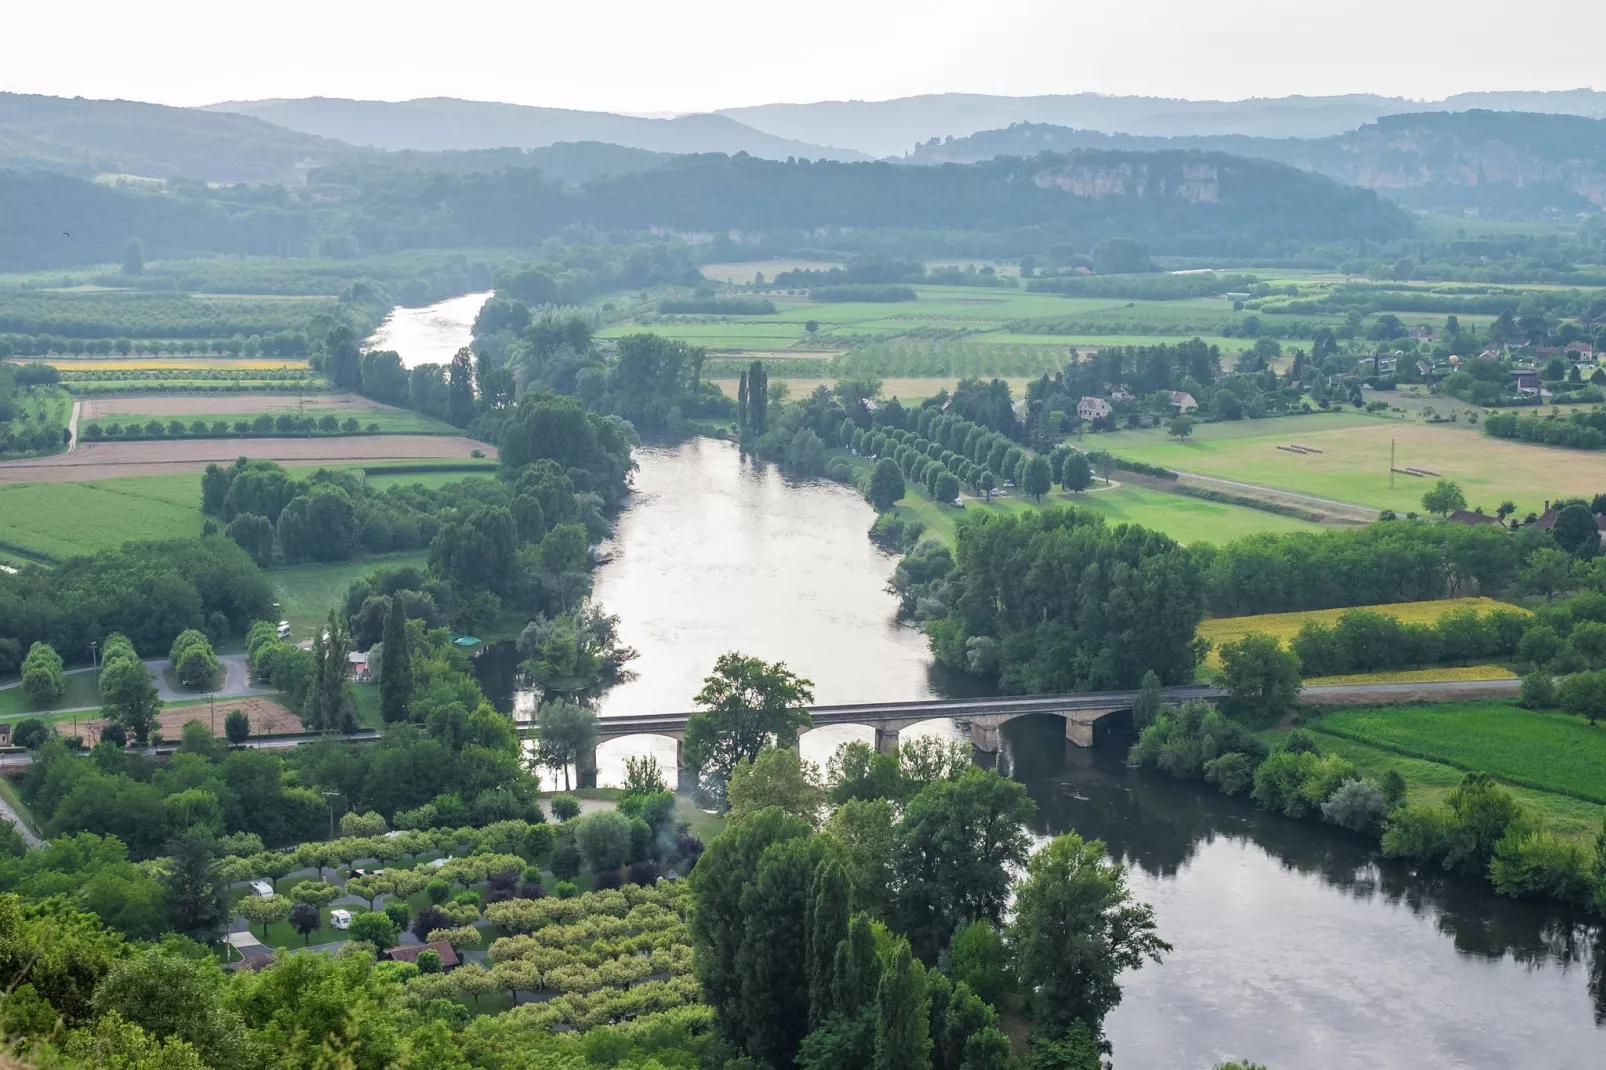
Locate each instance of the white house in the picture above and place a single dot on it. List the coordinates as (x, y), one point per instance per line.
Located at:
(1090, 408)
(1183, 401)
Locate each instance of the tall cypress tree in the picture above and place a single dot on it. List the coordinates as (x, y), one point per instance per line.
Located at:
(903, 1026)
(741, 401)
(395, 665)
(856, 972)
(770, 964)
(828, 927)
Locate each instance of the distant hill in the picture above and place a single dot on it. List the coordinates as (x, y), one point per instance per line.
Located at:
(89, 137)
(892, 127)
(447, 124)
(1500, 163)
(1178, 202)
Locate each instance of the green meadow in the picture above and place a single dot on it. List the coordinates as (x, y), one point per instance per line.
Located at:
(51, 521)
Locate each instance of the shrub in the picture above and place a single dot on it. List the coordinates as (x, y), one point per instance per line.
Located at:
(1358, 805)
(42, 678)
(1296, 783)
(30, 732)
(1538, 690)
(565, 807)
(1231, 773)
(1531, 863)
(604, 838)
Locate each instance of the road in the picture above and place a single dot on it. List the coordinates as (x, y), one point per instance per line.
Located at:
(236, 683)
(72, 426)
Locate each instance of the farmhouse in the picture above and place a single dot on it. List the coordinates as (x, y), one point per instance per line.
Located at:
(1090, 408)
(1182, 401)
(1464, 516)
(1525, 381)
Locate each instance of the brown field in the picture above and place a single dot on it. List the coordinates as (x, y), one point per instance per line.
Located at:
(109, 460)
(207, 404)
(267, 718)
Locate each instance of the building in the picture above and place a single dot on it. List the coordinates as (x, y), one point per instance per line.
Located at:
(1463, 516)
(1385, 365)
(1580, 351)
(1525, 380)
(1183, 402)
(5, 734)
(410, 953)
(1090, 408)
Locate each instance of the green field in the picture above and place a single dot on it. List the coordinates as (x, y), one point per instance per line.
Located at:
(1543, 750)
(1428, 783)
(379, 479)
(384, 421)
(1354, 464)
(52, 521)
(307, 592)
(1184, 519)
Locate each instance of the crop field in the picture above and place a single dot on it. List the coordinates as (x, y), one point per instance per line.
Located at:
(1354, 463)
(51, 521)
(145, 364)
(111, 460)
(904, 389)
(1539, 749)
(1284, 626)
(168, 406)
(1443, 673)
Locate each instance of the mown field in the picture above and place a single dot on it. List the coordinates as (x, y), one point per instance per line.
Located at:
(1285, 626)
(381, 420)
(1184, 519)
(1545, 750)
(306, 592)
(1354, 463)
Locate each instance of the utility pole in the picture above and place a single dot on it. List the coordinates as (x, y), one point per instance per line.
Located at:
(1391, 464)
(331, 796)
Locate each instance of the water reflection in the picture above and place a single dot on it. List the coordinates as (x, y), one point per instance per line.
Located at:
(1296, 945)
(431, 334)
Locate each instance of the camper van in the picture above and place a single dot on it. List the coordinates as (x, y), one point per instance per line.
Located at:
(284, 629)
(340, 919)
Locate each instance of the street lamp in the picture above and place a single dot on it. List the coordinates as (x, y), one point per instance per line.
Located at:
(331, 796)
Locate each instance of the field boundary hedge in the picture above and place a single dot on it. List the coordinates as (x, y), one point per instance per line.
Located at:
(1421, 755)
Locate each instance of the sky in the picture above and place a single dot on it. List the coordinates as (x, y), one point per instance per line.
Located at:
(647, 56)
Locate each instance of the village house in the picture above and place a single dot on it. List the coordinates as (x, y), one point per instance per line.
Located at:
(1473, 519)
(1183, 402)
(1525, 380)
(410, 953)
(1090, 408)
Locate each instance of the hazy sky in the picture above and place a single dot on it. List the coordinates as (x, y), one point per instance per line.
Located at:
(652, 56)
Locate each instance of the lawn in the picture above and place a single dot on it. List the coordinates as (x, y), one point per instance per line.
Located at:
(52, 521)
(83, 689)
(1354, 463)
(433, 480)
(1540, 749)
(307, 592)
(1285, 626)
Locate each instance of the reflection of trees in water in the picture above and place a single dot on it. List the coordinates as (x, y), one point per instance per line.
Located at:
(1158, 824)
(496, 667)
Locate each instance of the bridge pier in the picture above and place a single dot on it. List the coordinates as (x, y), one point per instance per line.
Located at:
(1079, 730)
(886, 740)
(984, 737)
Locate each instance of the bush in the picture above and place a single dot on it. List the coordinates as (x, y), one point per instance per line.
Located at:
(1231, 773)
(30, 732)
(565, 807)
(1530, 863)
(604, 838)
(1297, 783)
(43, 681)
(1538, 690)
(1358, 805)
(1181, 742)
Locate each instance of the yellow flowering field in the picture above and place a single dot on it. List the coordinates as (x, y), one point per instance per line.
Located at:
(1418, 676)
(1285, 626)
(175, 364)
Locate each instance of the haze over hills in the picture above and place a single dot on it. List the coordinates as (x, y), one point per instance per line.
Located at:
(445, 123)
(1492, 162)
(893, 127)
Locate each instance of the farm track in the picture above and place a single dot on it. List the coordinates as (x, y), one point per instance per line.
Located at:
(111, 460)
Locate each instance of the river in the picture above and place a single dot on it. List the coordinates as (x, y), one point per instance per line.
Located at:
(431, 334)
(1295, 944)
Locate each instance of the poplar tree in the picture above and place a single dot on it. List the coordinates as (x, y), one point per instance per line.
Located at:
(903, 1027)
(855, 972)
(828, 927)
(741, 400)
(395, 665)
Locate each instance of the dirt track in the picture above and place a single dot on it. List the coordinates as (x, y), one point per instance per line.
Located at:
(207, 404)
(110, 460)
(267, 718)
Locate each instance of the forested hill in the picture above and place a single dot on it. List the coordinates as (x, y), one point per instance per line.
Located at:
(447, 124)
(1503, 163)
(1177, 202)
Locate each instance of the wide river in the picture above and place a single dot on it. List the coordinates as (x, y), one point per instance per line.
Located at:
(1296, 945)
(431, 334)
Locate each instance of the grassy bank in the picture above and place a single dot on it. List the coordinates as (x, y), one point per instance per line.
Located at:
(307, 592)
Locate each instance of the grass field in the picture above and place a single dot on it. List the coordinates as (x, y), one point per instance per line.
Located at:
(1184, 519)
(1418, 676)
(1430, 782)
(385, 421)
(432, 480)
(1540, 749)
(306, 592)
(1354, 463)
(51, 521)
(1285, 626)
(83, 689)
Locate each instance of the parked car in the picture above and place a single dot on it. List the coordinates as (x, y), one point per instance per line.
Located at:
(262, 889)
(340, 919)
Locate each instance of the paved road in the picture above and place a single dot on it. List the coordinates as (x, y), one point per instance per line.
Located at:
(72, 426)
(236, 683)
